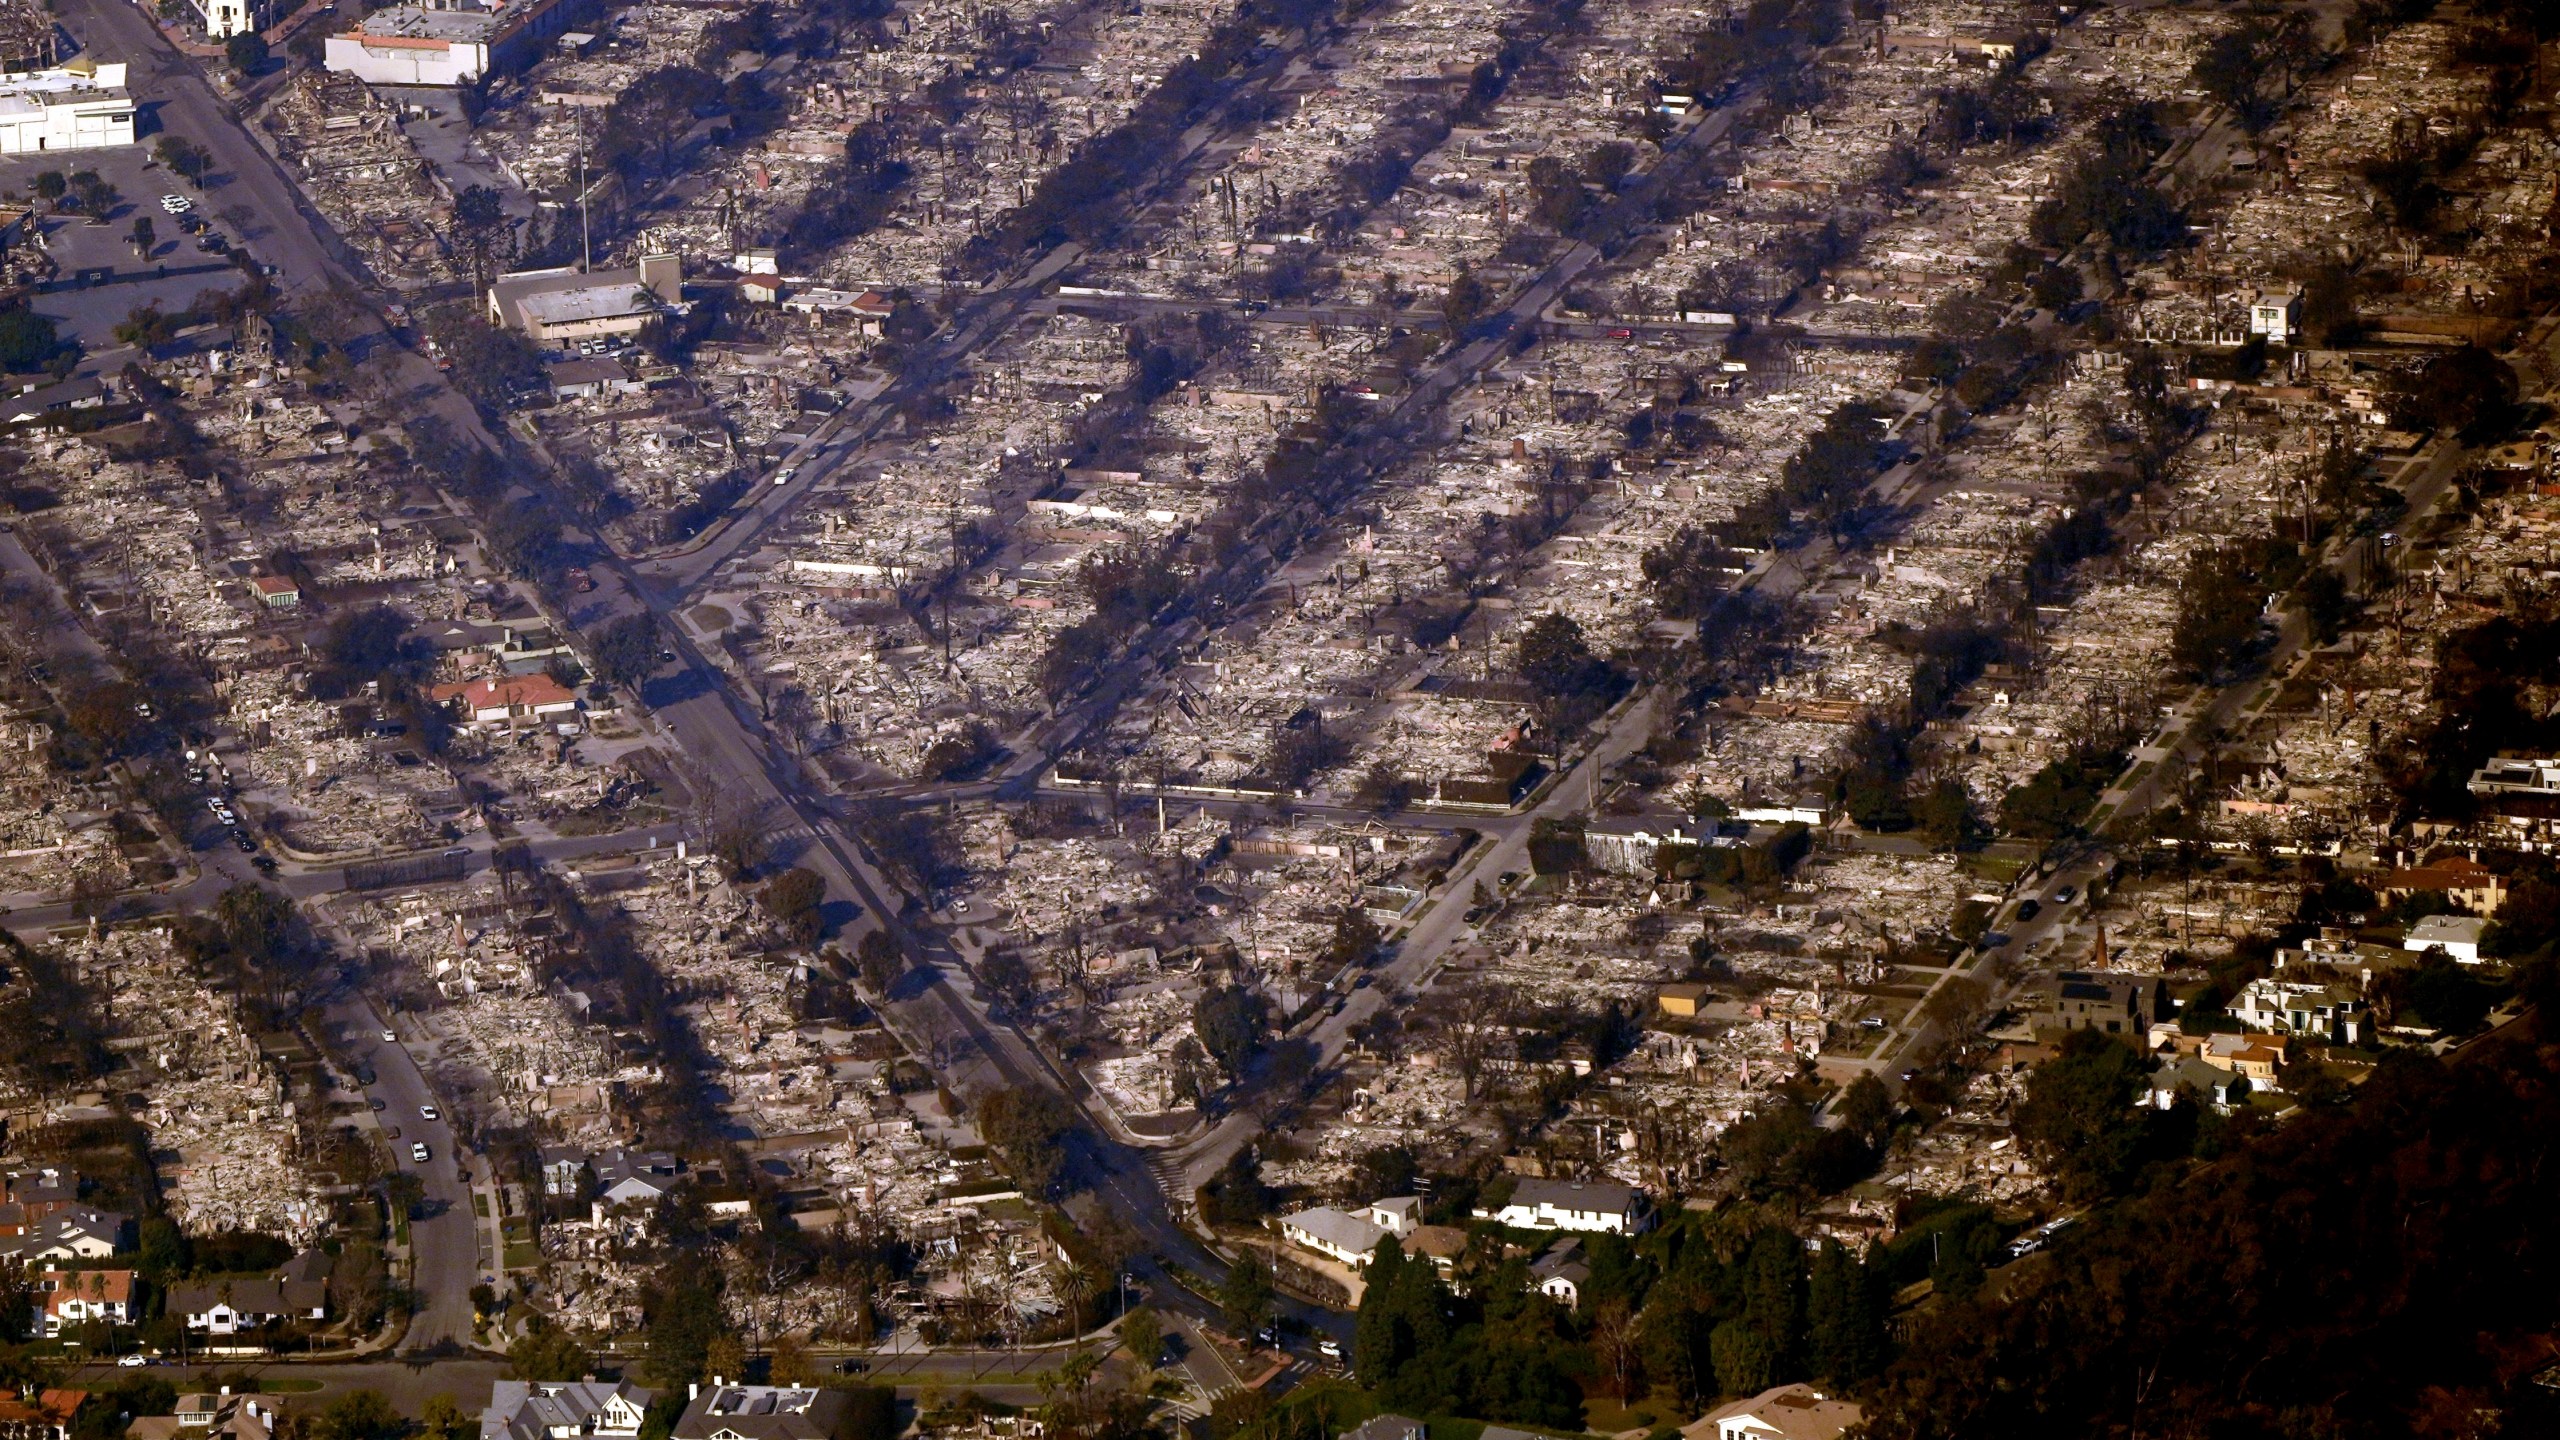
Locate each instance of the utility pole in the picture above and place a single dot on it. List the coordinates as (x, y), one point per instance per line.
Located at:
(586, 241)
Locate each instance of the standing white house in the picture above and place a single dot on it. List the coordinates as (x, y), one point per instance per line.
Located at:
(1599, 1206)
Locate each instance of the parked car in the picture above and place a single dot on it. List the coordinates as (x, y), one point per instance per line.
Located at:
(426, 1112)
(418, 1151)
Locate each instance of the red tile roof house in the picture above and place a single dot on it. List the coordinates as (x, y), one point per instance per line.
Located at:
(73, 1297)
(45, 1416)
(509, 700)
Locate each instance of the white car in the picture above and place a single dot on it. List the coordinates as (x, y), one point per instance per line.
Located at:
(418, 1151)
(133, 1361)
(783, 475)
(390, 1037)
(176, 204)
(426, 1112)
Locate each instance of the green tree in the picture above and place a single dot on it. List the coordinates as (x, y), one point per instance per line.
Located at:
(1008, 977)
(185, 158)
(2218, 608)
(27, 339)
(870, 1413)
(882, 960)
(2468, 392)
(246, 52)
(161, 1251)
(360, 1415)
(1246, 1295)
(1229, 1021)
(1557, 661)
(682, 1319)
(1384, 1171)
(547, 1352)
(1866, 1110)
(2079, 1118)
(441, 1418)
(1466, 302)
(1142, 1335)
(1945, 814)
(1844, 1324)
(1028, 1126)
(1744, 1362)
(796, 899)
(624, 649)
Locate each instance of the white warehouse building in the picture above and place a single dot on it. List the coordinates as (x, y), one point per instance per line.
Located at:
(79, 106)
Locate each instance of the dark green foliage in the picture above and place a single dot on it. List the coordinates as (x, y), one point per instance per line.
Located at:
(2481, 703)
(1028, 1126)
(2079, 1117)
(2109, 191)
(370, 644)
(1557, 846)
(1247, 1293)
(2329, 317)
(2009, 109)
(2468, 392)
(681, 1320)
(870, 1413)
(1383, 1172)
(2441, 993)
(2219, 606)
(2528, 921)
(492, 366)
(649, 115)
(882, 961)
(1492, 1353)
(2057, 287)
(1355, 939)
(1556, 660)
(546, 1352)
(794, 899)
(52, 1035)
(2233, 73)
(1688, 572)
(624, 649)
(1007, 977)
(1777, 1150)
(27, 340)
(2437, 1180)
(1828, 476)
(247, 53)
(2056, 798)
(1235, 1197)
(1231, 1022)
(1944, 814)
(360, 1414)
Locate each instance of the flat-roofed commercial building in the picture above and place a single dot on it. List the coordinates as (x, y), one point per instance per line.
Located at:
(557, 308)
(79, 106)
(427, 45)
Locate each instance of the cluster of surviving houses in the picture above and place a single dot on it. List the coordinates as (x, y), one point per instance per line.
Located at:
(1566, 1208)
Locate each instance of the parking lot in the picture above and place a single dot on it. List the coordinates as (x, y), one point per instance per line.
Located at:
(179, 267)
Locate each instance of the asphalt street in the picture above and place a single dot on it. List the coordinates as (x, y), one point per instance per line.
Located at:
(444, 1236)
